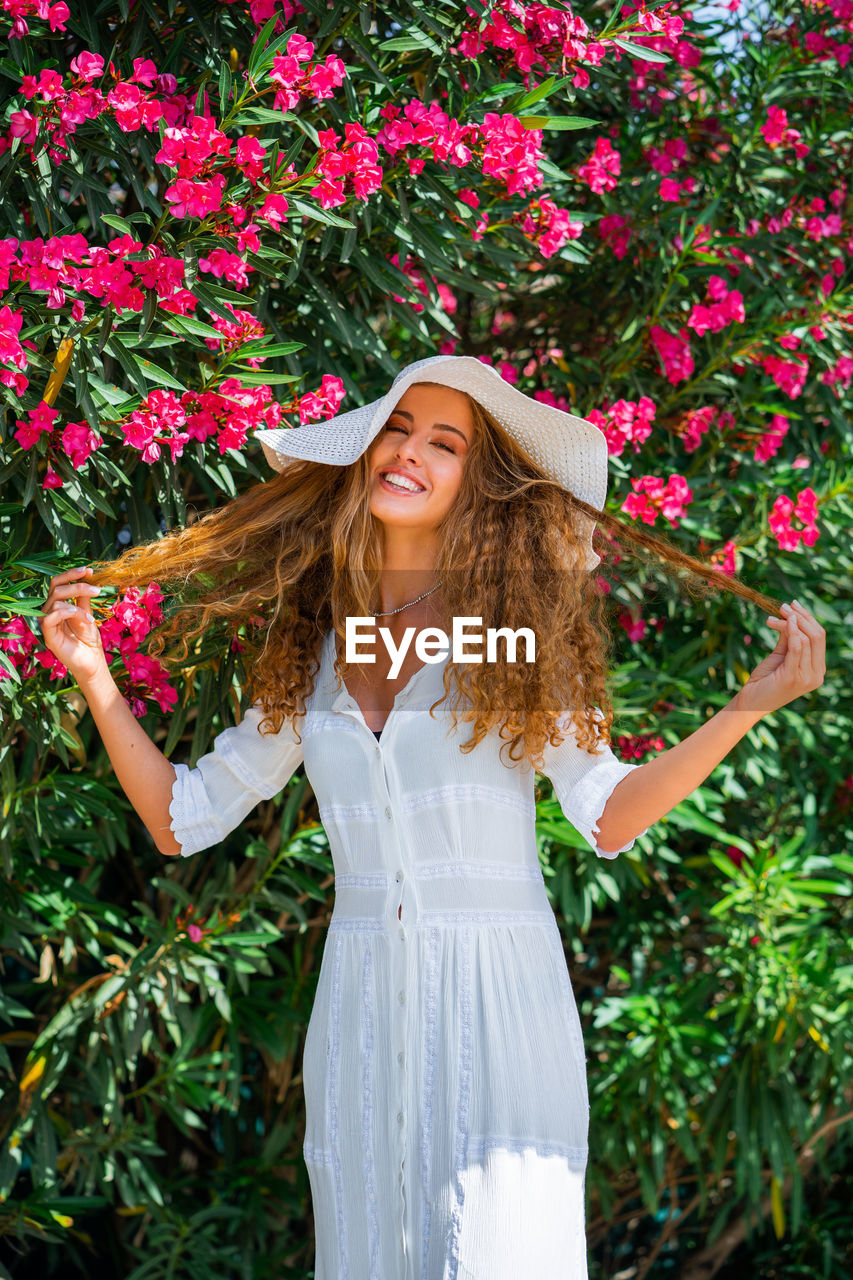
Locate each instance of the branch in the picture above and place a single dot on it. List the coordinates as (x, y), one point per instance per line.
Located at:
(705, 1265)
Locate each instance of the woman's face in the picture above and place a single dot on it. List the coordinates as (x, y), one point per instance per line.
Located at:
(426, 441)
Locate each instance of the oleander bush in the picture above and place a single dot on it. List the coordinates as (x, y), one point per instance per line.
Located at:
(223, 216)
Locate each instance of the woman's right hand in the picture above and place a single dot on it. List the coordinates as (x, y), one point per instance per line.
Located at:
(70, 633)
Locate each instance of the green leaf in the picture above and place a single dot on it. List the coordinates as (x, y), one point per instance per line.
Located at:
(638, 51)
(225, 83)
(558, 122)
(120, 224)
(315, 211)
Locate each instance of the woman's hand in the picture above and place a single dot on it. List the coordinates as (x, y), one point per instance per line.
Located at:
(72, 633)
(796, 666)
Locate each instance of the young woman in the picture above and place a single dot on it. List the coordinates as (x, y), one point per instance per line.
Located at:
(444, 1071)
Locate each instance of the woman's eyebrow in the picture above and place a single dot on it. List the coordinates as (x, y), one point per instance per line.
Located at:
(437, 426)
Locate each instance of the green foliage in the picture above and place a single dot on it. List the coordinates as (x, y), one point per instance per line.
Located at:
(151, 1109)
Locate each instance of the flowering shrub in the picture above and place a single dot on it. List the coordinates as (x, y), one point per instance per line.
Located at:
(245, 215)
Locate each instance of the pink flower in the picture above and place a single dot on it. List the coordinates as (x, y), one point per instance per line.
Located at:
(329, 193)
(674, 352)
(88, 66)
(144, 71)
(23, 124)
(41, 419)
(653, 496)
(275, 210)
(601, 170)
(196, 199)
(325, 78)
(79, 442)
(324, 402)
(251, 155)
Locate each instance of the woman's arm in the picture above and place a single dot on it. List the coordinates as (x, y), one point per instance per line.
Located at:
(644, 796)
(796, 666)
(145, 774)
(71, 633)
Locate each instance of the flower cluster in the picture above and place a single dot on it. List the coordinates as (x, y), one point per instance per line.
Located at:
(68, 265)
(613, 230)
(294, 81)
(244, 328)
(602, 168)
(725, 307)
(625, 422)
(788, 375)
(122, 629)
(55, 15)
(549, 226)
(778, 133)
(805, 510)
(674, 352)
(142, 101)
(261, 11)
(322, 403)
(536, 34)
(653, 496)
(771, 439)
(696, 423)
(350, 167)
(507, 150)
(22, 648)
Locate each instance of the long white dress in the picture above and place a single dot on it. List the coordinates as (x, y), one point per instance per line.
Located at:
(444, 1069)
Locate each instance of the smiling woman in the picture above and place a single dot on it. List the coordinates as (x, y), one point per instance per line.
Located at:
(416, 463)
(444, 1073)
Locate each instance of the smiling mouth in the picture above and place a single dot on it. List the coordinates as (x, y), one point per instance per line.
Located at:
(393, 487)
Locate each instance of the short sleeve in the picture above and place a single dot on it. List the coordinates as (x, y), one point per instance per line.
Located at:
(243, 768)
(583, 783)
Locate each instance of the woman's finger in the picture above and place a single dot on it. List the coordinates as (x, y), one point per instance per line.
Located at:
(69, 575)
(817, 643)
(802, 648)
(79, 589)
(808, 631)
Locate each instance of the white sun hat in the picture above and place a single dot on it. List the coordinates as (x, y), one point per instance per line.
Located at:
(570, 450)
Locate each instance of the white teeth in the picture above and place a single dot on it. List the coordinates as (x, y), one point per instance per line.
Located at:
(402, 484)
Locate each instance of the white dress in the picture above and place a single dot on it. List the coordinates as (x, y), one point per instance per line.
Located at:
(444, 1070)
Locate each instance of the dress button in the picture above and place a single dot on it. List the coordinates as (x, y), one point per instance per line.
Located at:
(400, 1057)
(401, 996)
(399, 1117)
(378, 751)
(388, 812)
(398, 877)
(402, 933)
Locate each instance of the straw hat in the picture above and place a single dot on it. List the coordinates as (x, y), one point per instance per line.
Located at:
(569, 449)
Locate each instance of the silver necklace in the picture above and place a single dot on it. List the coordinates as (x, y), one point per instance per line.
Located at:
(388, 612)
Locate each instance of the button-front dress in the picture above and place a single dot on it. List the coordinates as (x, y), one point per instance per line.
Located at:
(444, 1071)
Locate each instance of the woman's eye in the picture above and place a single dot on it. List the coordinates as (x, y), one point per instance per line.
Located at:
(439, 443)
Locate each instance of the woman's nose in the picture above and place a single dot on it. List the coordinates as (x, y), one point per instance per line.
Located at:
(407, 450)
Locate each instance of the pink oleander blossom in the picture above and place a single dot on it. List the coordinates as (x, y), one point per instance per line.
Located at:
(784, 510)
(674, 352)
(40, 420)
(653, 496)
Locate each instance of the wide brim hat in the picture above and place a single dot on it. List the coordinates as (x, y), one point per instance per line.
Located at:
(570, 450)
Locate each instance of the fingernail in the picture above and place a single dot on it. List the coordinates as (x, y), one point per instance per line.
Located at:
(96, 591)
(797, 602)
(771, 619)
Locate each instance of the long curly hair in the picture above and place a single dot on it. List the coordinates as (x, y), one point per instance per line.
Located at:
(296, 554)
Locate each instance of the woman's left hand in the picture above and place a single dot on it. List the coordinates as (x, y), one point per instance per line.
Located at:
(796, 666)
